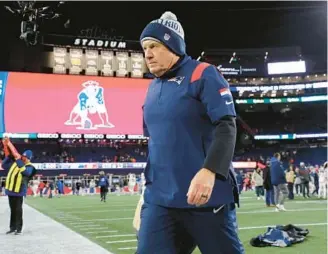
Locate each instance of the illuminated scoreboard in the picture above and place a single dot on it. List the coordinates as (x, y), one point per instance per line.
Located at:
(95, 57)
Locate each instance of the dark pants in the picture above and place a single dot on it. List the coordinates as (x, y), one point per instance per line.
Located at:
(298, 188)
(269, 197)
(103, 193)
(240, 187)
(16, 213)
(259, 191)
(176, 231)
(290, 190)
(305, 188)
(316, 189)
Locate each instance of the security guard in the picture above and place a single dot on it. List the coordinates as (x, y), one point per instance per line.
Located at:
(20, 171)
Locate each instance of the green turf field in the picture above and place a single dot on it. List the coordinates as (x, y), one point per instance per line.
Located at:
(110, 224)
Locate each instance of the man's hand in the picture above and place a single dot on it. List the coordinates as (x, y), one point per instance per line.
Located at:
(201, 187)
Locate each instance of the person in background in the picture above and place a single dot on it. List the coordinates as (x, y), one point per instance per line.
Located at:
(104, 185)
(305, 179)
(41, 188)
(20, 171)
(323, 181)
(290, 178)
(278, 179)
(74, 187)
(51, 189)
(78, 187)
(92, 186)
(298, 182)
(239, 178)
(269, 191)
(257, 180)
(315, 177)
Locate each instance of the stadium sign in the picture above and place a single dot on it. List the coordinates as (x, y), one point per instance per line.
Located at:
(238, 70)
(87, 42)
(99, 43)
(255, 88)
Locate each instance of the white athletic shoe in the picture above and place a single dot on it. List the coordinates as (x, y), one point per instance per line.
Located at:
(282, 208)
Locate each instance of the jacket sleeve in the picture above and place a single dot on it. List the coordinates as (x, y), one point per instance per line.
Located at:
(6, 163)
(220, 154)
(215, 95)
(29, 171)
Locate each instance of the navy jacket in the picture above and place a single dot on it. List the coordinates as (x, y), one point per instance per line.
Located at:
(103, 181)
(277, 172)
(179, 117)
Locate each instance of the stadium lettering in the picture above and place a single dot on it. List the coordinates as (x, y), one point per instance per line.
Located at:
(100, 43)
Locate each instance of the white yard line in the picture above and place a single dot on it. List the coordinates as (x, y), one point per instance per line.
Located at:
(128, 248)
(247, 212)
(110, 236)
(105, 231)
(124, 241)
(298, 225)
(89, 228)
(288, 210)
(105, 211)
(242, 228)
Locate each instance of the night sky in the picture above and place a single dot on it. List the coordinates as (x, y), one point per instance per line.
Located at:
(206, 24)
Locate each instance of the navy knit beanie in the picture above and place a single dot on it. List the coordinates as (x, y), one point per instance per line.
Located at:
(168, 31)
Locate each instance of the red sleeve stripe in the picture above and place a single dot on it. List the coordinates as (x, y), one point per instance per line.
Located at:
(198, 71)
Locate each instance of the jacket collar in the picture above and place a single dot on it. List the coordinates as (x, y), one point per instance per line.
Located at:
(175, 68)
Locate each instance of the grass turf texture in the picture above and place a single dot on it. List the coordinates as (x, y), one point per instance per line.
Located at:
(112, 221)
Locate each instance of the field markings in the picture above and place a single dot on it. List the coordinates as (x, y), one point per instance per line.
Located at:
(104, 231)
(288, 210)
(298, 225)
(246, 212)
(128, 248)
(88, 228)
(103, 211)
(110, 236)
(241, 228)
(123, 241)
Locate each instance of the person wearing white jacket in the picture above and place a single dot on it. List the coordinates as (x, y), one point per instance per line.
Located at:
(257, 180)
(323, 181)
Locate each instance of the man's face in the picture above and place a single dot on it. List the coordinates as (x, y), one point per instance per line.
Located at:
(158, 57)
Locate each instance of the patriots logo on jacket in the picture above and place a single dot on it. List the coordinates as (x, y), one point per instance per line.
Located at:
(177, 79)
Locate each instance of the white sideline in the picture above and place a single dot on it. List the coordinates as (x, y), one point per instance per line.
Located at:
(36, 240)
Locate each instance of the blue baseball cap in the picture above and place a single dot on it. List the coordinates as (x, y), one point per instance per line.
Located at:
(28, 154)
